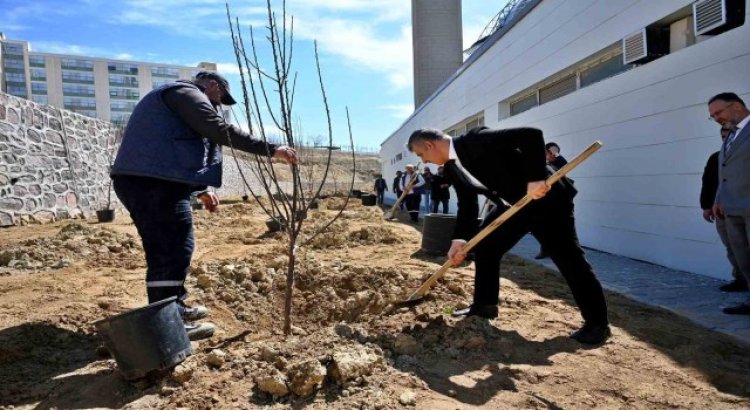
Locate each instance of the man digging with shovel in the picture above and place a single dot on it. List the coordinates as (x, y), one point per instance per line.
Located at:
(506, 165)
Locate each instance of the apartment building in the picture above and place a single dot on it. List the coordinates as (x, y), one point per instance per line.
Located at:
(97, 87)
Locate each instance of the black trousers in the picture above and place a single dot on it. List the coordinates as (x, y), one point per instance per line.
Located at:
(412, 205)
(552, 221)
(438, 201)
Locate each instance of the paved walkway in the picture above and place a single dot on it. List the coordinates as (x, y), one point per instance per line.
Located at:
(695, 297)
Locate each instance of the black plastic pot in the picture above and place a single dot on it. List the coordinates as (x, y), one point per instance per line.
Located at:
(314, 205)
(356, 193)
(437, 232)
(105, 215)
(369, 199)
(149, 338)
(274, 225)
(245, 198)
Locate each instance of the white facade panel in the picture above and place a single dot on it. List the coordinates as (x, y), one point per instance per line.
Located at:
(639, 194)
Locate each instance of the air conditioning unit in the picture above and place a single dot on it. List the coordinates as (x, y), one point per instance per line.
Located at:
(645, 45)
(718, 16)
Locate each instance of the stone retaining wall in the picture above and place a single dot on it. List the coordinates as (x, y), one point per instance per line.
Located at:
(53, 162)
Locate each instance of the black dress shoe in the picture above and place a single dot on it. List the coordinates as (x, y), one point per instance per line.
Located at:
(485, 311)
(737, 285)
(743, 309)
(592, 334)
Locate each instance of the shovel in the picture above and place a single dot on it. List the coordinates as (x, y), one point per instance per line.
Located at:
(419, 294)
(392, 212)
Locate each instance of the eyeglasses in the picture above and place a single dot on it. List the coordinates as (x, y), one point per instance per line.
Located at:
(713, 116)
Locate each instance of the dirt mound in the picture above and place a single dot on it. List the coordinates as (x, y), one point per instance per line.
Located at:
(76, 241)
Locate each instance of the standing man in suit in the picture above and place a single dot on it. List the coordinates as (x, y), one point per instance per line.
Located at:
(380, 187)
(710, 183)
(414, 193)
(733, 196)
(505, 165)
(440, 190)
(397, 187)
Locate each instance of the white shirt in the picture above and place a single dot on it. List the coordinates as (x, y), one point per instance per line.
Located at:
(405, 181)
(452, 155)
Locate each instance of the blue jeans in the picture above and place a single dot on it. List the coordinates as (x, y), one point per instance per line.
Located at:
(162, 214)
(427, 207)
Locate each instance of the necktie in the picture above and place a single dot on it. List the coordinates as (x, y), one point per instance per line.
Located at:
(729, 141)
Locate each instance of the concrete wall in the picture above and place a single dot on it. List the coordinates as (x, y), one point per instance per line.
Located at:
(639, 195)
(47, 170)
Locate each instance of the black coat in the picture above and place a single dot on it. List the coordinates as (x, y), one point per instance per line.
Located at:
(439, 193)
(710, 181)
(504, 161)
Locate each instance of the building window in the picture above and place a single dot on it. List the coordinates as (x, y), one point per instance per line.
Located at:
(13, 64)
(558, 89)
(122, 106)
(85, 78)
(36, 61)
(39, 88)
(524, 104)
(17, 90)
(165, 72)
(17, 78)
(605, 69)
(75, 64)
(80, 104)
(124, 93)
(38, 74)
(12, 48)
(118, 68)
(41, 99)
(123, 80)
(120, 118)
(72, 90)
(158, 82)
(476, 122)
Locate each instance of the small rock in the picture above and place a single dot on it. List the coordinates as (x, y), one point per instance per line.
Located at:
(103, 304)
(182, 373)
(268, 354)
(167, 390)
(475, 342)
(344, 330)
(296, 330)
(406, 344)
(305, 376)
(274, 384)
(216, 358)
(205, 282)
(408, 398)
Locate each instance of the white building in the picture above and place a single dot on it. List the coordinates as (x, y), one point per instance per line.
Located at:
(558, 65)
(100, 88)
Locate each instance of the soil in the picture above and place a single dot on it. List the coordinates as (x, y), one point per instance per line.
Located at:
(350, 347)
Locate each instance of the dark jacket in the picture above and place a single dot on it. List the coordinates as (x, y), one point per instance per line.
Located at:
(397, 185)
(710, 181)
(380, 185)
(439, 192)
(504, 161)
(175, 134)
(559, 162)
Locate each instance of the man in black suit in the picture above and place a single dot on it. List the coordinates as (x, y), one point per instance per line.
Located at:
(556, 161)
(506, 165)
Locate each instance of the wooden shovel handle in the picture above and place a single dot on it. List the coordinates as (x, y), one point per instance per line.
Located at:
(430, 282)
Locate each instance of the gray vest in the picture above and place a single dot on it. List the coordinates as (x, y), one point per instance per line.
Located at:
(158, 144)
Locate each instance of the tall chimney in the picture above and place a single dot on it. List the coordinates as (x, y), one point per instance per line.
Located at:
(437, 42)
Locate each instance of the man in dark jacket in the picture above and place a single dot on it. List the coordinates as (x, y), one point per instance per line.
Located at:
(171, 149)
(505, 165)
(397, 187)
(708, 195)
(380, 187)
(556, 161)
(441, 193)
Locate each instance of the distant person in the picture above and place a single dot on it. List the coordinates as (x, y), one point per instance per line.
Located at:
(733, 195)
(708, 195)
(556, 161)
(505, 165)
(380, 187)
(397, 187)
(427, 188)
(441, 193)
(414, 193)
(171, 149)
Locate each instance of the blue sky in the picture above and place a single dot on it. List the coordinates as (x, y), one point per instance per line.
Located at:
(364, 45)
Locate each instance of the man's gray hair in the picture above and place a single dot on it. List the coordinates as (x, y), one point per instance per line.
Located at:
(424, 134)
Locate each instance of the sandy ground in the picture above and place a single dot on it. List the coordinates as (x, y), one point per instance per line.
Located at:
(350, 348)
